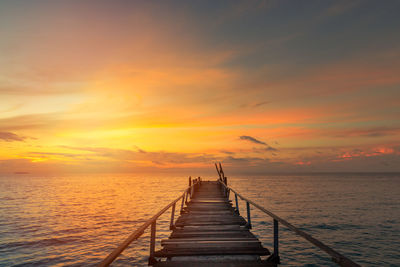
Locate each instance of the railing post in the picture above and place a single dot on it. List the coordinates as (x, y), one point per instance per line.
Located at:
(152, 260)
(248, 215)
(221, 170)
(171, 224)
(275, 255)
(190, 184)
(187, 195)
(219, 174)
(276, 239)
(237, 204)
(183, 200)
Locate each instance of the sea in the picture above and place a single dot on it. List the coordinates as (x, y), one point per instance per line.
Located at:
(77, 220)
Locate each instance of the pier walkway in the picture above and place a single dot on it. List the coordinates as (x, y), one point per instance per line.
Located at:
(210, 225)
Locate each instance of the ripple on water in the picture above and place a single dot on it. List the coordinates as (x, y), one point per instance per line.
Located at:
(76, 221)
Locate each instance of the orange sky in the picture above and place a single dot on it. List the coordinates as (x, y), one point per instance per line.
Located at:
(261, 86)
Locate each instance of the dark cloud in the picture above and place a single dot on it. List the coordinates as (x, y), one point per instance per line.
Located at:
(247, 160)
(252, 139)
(256, 141)
(9, 137)
(270, 148)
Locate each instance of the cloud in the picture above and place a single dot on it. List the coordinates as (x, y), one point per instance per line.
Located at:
(157, 157)
(227, 152)
(369, 132)
(45, 154)
(30, 121)
(270, 148)
(338, 8)
(255, 104)
(256, 141)
(252, 139)
(9, 137)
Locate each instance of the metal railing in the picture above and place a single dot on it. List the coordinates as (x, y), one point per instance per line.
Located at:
(188, 193)
(336, 256)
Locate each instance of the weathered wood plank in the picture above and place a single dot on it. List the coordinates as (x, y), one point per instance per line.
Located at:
(220, 263)
(203, 239)
(210, 234)
(214, 227)
(212, 251)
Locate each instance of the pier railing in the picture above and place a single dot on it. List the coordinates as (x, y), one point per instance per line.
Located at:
(336, 256)
(186, 195)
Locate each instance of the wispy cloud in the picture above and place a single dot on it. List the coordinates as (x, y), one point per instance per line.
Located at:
(252, 139)
(9, 137)
(256, 141)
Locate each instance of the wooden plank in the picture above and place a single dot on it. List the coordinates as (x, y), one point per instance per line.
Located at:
(190, 221)
(209, 204)
(214, 227)
(191, 234)
(205, 217)
(211, 251)
(210, 212)
(196, 244)
(216, 263)
(211, 201)
(221, 238)
(209, 216)
(183, 223)
(203, 208)
(209, 223)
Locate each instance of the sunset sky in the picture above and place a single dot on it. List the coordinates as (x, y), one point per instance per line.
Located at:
(262, 86)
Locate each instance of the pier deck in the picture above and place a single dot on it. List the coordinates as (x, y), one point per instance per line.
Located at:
(210, 232)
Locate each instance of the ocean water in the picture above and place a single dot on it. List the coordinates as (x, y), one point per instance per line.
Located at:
(78, 220)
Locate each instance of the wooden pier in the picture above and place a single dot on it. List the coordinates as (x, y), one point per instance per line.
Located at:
(210, 231)
(209, 225)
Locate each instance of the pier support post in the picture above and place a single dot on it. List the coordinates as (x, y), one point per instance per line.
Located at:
(237, 204)
(275, 256)
(183, 201)
(152, 260)
(190, 189)
(248, 215)
(171, 224)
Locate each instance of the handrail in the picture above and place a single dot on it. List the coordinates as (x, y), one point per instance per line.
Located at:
(336, 256)
(136, 234)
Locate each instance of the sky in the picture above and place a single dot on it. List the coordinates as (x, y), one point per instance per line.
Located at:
(261, 86)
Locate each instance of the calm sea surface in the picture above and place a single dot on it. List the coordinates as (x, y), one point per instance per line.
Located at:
(78, 220)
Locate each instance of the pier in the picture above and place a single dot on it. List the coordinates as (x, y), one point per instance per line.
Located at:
(210, 231)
